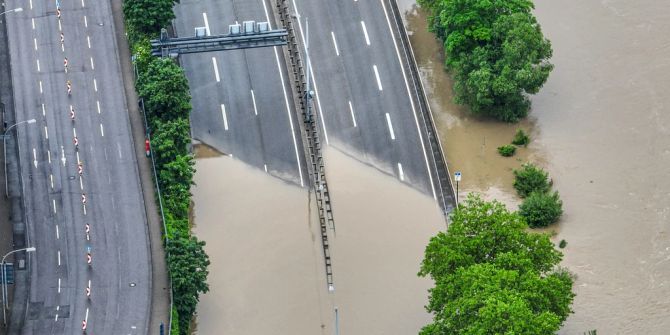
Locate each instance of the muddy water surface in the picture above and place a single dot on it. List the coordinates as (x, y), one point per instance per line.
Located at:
(601, 127)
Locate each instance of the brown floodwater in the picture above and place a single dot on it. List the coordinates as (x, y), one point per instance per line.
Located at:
(267, 272)
(600, 126)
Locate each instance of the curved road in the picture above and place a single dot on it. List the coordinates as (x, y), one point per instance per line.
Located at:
(60, 202)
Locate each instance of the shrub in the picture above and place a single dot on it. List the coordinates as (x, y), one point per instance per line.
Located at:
(562, 244)
(507, 150)
(529, 179)
(541, 209)
(521, 138)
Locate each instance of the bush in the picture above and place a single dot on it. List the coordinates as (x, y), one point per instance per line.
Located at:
(521, 138)
(507, 150)
(562, 244)
(541, 209)
(530, 179)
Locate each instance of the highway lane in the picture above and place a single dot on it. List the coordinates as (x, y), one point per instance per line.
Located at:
(362, 90)
(55, 192)
(242, 102)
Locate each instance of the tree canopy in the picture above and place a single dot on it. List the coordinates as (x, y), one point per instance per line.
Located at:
(165, 90)
(187, 262)
(493, 277)
(148, 16)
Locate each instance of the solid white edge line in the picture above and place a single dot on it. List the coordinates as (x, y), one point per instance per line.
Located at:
(337, 51)
(311, 71)
(204, 17)
(253, 100)
(401, 173)
(288, 107)
(416, 119)
(388, 121)
(216, 70)
(225, 118)
(353, 117)
(365, 32)
(379, 82)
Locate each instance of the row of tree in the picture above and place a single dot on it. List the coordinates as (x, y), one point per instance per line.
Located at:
(164, 88)
(496, 52)
(492, 276)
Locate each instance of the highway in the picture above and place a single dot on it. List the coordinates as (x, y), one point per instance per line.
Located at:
(79, 171)
(363, 94)
(242, 100)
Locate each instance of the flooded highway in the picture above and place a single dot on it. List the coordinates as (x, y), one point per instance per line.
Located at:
(601, 127)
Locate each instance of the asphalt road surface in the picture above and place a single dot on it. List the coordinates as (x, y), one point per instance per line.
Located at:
(61, 201)
(242, 102)
(362, 91)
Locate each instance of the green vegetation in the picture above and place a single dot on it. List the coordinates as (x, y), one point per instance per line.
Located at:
(530, 179)
(496, 52)
(541, 209)
(521, 138)
(493, 277)
(562, 244)
(507, 150)
(167, 101)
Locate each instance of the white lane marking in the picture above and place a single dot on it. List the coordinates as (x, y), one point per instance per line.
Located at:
(46, 132)
(337, 51)
(33, 21)
(38, 65)
(288, 108)
(204, 17)
(311, 71)
(92, 65)
(74, 131)
(253, 99)
(97, 103)
(95, 84)
(35, 157)
(58, 257)
(58, 287)
(225, 118)
(35, 43)
(82, 3)
(62, 155)
(40, 87)
(56, 318)
(353, 117)
(400, 172)
(86, 318)
(54, 203)
(44, 111)
(379, 82)
(58, 237)
(102, 131)
(416, 119)
(62, 47)
(81, 183)
(85, 21)
(388, 120)
(118, 148)
(88, 41)
(49, 155)
(51, 177)
(365, 32)
(84, 209)
(78, 161)
(31, 4)
(216, 70)
(60, 28)
(265, 166)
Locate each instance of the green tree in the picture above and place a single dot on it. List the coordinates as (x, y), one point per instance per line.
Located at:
(521, 138)
(164, 88)
(175, 179)
(148, 16)
(187, 263)
(493, 277)
(531, 178)
(541, 209)
(170, 139)
(507, 150)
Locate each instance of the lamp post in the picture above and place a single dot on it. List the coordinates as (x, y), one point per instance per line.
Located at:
(457, 177)
(19, 9)
(5, 305)
(4, 146)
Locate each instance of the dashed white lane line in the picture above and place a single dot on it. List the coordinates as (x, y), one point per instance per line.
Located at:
(92, 65)
(253, 99)
(74, 131)
(118, 149)
(204, 17)
(102, 130)
(81, 183)
(86, 317)
(88, 41)
(388, 120)
(44, 111)
(58, 282)
(416, 119)
(365, 32)
(35, 157)
(82, 3)
(60, 27)
(31, 4)
(337, 51)
(33, 22)
(38, 65)
(58, 237)
(49, 155)
(95, 84)
(400, 172)
(85, 21)
(35, 43)
(78, 161)
(216, 70)
(58, 257)
(51, 177)
(62, 47)
(54, 203)
(40, 87)
(265, 166)
(353, 117)
(97, 103)
(225, 118)
(379, 82)
(46, 132)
